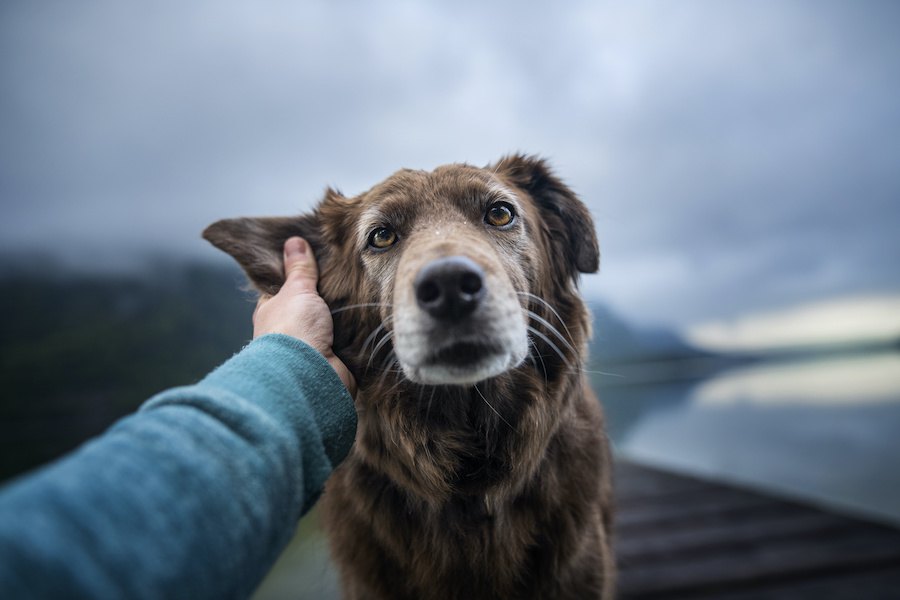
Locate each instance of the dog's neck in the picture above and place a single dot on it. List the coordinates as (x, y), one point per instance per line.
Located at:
(441, 443)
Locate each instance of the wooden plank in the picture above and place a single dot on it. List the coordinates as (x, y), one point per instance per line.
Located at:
(704, 539)
(878, 584)
(729, 535)
(771, 561)
(627, 476)
(715, 506)
(655, 492)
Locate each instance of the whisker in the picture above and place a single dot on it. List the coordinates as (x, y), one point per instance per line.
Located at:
(607, 373)
(492, 408)
(556, 332)
(430, 400)
(550, 308)
(540, 356)
(372, 335)
(552, 330)
(537, 354)
(384, 339)
(551, 344)
(363, 305)
(391, 358)
(398, 383)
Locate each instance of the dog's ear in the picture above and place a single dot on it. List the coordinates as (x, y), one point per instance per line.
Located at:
(567, 218)
(258, 244)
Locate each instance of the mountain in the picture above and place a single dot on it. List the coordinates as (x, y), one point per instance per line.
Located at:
(615, 341)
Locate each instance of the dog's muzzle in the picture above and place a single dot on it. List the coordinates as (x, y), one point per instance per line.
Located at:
(460, 325)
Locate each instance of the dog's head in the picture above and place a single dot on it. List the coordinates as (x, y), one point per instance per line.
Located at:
(441, 267)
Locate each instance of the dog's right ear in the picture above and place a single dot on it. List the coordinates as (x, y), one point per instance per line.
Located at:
(258, 244)
(566, 216)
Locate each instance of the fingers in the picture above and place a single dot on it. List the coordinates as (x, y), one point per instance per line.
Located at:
(344, 373)
(300, 269)
(263, 298)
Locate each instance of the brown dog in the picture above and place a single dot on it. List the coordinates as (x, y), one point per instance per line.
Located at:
(480, 468)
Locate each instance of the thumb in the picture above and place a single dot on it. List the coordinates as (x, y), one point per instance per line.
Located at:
(300, 268)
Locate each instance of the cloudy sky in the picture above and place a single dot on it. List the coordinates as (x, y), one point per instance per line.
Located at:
(737, 156)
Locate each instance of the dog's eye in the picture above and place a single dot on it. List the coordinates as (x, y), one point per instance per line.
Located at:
(500, 214)
(382, 238)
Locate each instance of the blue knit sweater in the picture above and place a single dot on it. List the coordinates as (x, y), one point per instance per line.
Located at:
(193, 496)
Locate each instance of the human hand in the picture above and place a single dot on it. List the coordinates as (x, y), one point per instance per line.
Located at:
(297, 309)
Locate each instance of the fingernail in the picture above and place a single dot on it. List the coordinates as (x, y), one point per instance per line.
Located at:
(294, 246)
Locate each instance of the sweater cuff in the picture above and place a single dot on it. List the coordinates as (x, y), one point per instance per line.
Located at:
(278, 373)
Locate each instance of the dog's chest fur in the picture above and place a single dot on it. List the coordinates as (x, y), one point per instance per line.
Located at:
(533, 522)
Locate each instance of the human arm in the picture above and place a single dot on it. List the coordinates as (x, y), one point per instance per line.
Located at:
(194, 496)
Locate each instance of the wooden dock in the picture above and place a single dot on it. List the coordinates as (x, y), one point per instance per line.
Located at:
(684, 537)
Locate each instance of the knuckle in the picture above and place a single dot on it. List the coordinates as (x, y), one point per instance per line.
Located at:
(302, 270)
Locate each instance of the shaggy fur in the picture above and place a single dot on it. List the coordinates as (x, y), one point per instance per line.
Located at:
(497, 489)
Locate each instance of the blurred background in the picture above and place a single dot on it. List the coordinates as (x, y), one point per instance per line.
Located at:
(741, 161)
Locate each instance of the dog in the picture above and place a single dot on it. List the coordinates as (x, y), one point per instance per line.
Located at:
(480, 467)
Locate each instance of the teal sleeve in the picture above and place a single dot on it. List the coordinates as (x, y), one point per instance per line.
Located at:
(194, 496)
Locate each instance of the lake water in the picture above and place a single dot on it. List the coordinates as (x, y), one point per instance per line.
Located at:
(823, 431)
(827, 431)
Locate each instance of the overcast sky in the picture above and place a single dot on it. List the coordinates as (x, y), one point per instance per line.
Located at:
(737, 156)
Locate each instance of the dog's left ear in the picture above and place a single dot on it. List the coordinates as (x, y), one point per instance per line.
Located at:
(567, 217)
(257, 244)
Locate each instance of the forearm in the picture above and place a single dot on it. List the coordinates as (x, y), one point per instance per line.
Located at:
(194, 496)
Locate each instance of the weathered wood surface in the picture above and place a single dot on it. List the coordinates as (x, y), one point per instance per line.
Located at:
(683, 537)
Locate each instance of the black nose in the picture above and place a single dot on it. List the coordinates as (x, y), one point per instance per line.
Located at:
(449, 288)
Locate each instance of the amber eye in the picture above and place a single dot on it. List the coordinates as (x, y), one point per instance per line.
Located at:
(382, 238)
(500, 214)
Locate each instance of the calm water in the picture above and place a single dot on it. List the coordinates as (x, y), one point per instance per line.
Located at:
(826, 431)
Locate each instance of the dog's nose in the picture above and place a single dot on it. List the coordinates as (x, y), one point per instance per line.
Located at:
(450, 288)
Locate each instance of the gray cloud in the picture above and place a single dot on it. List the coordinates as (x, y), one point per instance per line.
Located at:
(734, 156)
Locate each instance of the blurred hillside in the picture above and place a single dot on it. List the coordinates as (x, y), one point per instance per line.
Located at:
(78, 352)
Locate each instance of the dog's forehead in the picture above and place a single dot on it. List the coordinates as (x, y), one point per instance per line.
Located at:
(406, 194)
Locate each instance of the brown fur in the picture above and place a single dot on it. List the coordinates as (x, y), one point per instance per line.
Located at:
(494, 490)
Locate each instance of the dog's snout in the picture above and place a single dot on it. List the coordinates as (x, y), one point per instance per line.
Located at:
(450, 288)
